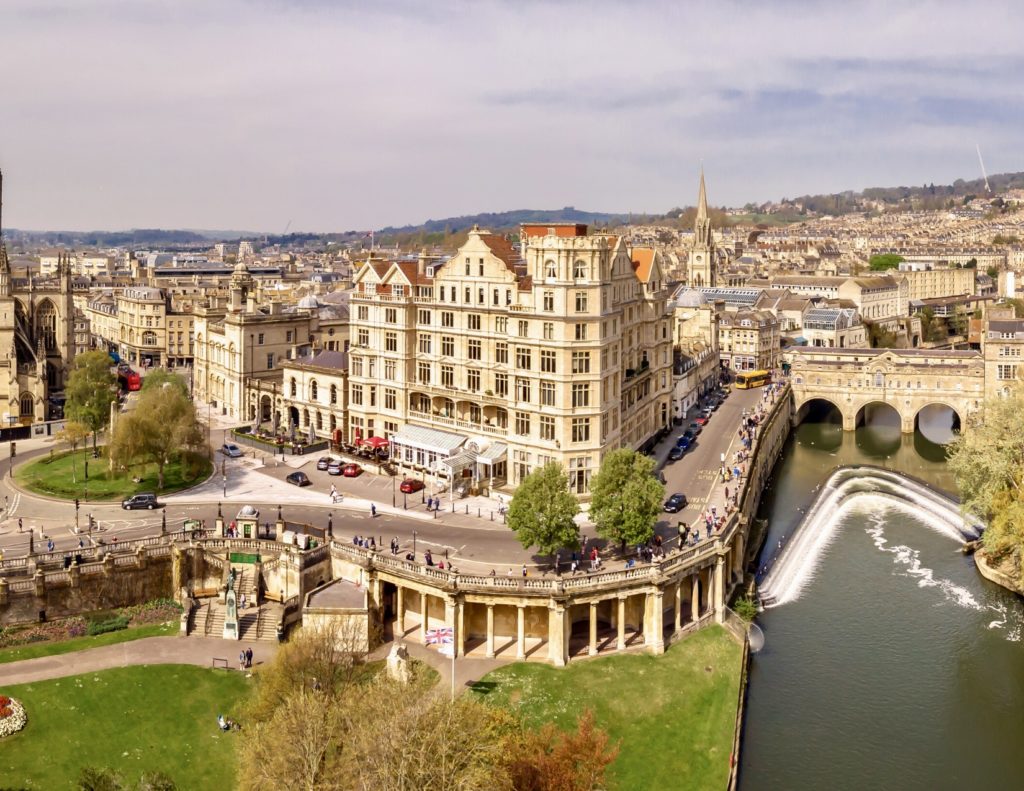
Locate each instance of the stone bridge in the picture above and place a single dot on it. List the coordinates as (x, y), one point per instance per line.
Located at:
(907, 380)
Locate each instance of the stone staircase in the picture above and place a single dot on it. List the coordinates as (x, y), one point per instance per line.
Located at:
(254, 624)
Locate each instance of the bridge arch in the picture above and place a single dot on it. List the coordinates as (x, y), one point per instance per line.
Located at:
(818, 407)
(938, 422)
(878, 413)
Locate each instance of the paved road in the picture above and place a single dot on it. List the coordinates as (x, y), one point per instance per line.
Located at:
(476, 544)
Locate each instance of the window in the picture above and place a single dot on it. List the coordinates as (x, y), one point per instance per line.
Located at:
(447, 376)
(1009, 351)
(547, 394)
(581, 395)
(474, 349)
(447, 345)
(497, 296)
(547, 428)
(523, 424)
(480, 295)
(549, 301)
(356, 395)
(524, 328)
(581, 429)
(390, 398)
(270, 360)
(581, 362)
(314, 390)
(473, 379)
(467, 265)
(390, 315)
(288, 336)
(501, 325)
(363, 313)
(293, 389)
(334, 394)
(447, 318)
(550, 270)
(549, 330)
(547, 362)
(259, 338)
(474, 321)
(356, 363)
(523, 358)
(467, 291)
(373, 395)
(522, 389)
(398, 290)
(581, 301)
(501, 385)
(579, 270)
(501, 353)
(389, 370)
(424, 343)
(362, 338)
(581, 332)
(423, 373)
(1007, 372)
(391, 341)
(423, 317)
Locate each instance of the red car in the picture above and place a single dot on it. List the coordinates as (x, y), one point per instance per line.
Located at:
(351, 470)
(701, 421)
(410, 485)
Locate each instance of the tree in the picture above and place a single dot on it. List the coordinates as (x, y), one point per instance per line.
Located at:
(987, 460)
(90, 390)
(162, 427)
(884, 261)
(543, 511)
(158, 378)
(73, 433)
(626, 498)
(553, 760)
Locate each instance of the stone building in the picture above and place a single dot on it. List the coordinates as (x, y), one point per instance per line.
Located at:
(487, 366)
(1002, 347)
(748, 340)
(311, 396)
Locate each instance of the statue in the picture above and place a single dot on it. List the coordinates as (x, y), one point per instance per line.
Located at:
(231, 617)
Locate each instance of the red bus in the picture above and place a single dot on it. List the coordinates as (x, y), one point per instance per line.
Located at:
(129, 380)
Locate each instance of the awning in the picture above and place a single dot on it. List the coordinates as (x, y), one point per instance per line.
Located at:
(373, 442)
(495, 453)
(460, 461)
(428, 439)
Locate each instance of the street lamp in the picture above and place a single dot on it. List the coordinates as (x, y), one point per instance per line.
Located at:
(414, 544)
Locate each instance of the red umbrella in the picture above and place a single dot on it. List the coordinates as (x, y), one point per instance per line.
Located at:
(375, 442)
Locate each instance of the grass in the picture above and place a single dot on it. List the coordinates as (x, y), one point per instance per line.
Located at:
(53, 476)
(133, 719)
(673, 715)
(34, 650)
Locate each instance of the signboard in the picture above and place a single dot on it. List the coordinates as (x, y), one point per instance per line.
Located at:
(243, 557)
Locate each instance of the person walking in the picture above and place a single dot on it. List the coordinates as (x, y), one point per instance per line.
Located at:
(248, 657)
(373, 510)
(19, 524)
(241, 660)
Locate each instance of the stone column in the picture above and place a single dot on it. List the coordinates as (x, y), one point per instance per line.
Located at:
(654, 621)
(679, 606)
(621, 624)
(400, 612)
(719, 592)
(695, 598)
(593, 629)
(425, 612)
(558, 642)
(521, 632)
(489, 649)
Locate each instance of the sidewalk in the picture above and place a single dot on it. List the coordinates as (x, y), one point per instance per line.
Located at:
(147, 651)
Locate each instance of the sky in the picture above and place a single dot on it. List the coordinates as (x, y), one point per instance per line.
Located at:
(329, 115)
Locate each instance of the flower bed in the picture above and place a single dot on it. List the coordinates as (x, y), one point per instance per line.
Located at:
(13, 716)
(157, 611)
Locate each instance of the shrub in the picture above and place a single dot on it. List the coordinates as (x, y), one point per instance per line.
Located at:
(111, 625)
(746, 609)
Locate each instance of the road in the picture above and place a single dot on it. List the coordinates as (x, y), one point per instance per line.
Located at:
(477, 544)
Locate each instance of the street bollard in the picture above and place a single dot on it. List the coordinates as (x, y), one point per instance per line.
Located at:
(478, 513)
(492, 516)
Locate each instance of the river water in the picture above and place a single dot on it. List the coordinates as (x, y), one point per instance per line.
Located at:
(898, 666)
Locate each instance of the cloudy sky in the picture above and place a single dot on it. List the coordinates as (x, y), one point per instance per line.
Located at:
(334, 115)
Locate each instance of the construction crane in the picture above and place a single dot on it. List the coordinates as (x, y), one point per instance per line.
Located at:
(984, 175)
(289, 225)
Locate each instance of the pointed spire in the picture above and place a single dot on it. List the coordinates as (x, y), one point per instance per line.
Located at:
(702, 198)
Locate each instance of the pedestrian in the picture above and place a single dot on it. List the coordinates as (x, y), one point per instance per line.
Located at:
(19, 524)
(248, 657)
(334, 493)
(524, 569)
(510, 571)
(373, 510)
(241, 660)
(558, 563)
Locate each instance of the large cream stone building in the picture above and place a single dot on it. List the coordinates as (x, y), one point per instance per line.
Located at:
(749, 340)
(502, 359)
(1002, 346)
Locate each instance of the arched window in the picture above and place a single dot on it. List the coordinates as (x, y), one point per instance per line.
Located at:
(550, 270)
(294, 389)
(319, 421)
(334, 394)
(579, 270)
(149, 338)
(879, 380)
(46, 325)
(26, 405)
(313, 390)
(305, 417)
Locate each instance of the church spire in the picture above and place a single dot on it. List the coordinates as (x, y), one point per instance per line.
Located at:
(702, 198)
(5, 264)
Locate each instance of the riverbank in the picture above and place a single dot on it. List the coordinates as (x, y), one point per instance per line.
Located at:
(994, 574)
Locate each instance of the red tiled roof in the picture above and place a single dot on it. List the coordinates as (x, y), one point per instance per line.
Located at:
(643, 262)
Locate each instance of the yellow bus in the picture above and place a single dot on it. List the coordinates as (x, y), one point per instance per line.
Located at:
(748, 379)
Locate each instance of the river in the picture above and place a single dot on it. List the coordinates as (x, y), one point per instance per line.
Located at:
(898, 666)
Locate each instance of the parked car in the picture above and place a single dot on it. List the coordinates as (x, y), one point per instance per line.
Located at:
(299, 479)
(683, 442)
(690, 435)
(351, 470)
(676, 453)
(695, 427)
(410, 485)
(676, 503)
(323, 462)
(334, 467)
(141, 500)
(231, 449)
(701, 421)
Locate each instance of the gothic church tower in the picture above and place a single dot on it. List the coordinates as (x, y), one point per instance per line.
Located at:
(701, 263)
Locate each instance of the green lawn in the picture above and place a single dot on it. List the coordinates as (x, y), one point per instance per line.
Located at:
(673, 715)
(133, 719)
(33, 650)
(54, 477)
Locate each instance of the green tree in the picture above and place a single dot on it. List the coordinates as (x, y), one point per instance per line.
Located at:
(161, 378)
(543, 511)
(987, 460)
(90, 389)
(884, 261)
(626, 497)
(163, 426)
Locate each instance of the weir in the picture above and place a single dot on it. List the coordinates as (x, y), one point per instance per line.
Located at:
(785, 575)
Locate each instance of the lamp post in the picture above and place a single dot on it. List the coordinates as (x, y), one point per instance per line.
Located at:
(414, 544)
